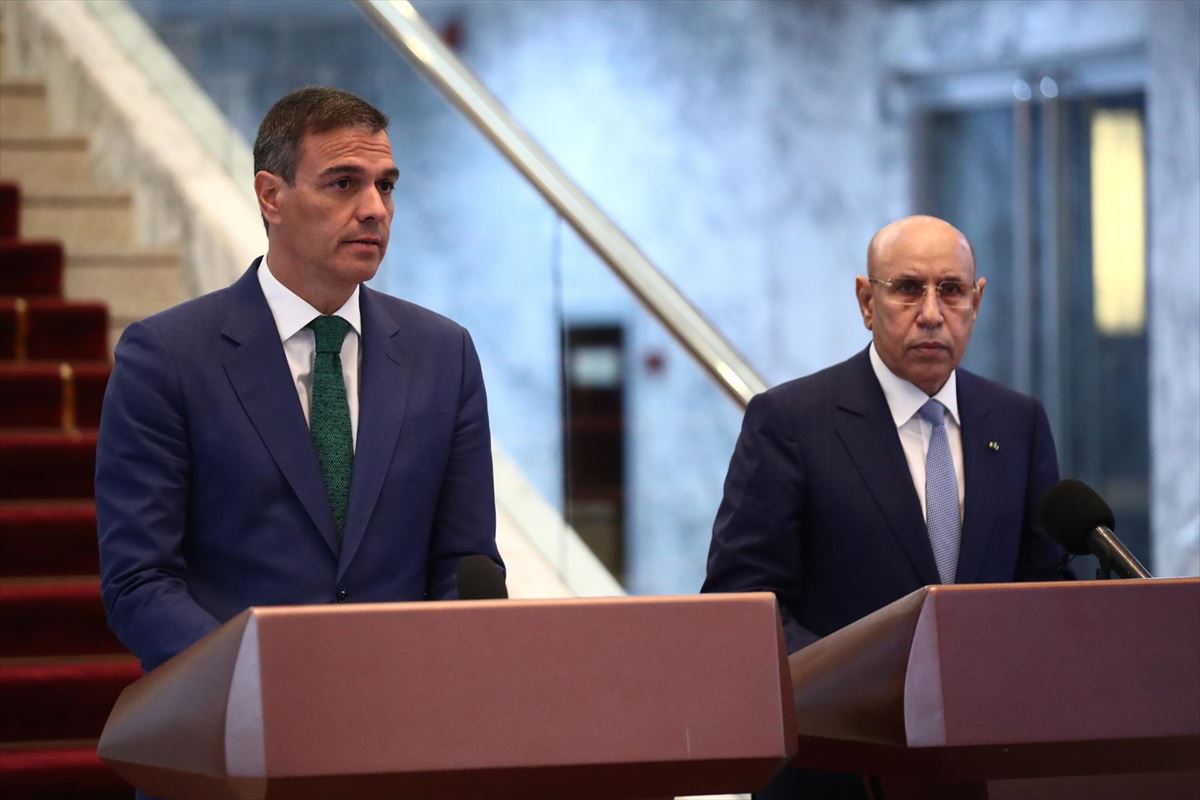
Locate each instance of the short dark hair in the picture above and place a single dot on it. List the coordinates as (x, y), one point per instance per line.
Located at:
(313, 109)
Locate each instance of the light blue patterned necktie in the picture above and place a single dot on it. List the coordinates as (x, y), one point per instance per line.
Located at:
(941, 494)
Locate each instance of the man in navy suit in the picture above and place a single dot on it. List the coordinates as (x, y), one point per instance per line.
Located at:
(843, 495)
(295, 437)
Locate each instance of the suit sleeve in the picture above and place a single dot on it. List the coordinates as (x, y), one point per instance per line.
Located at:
(756, 541)
(465, 522)
(1040, 558)
(142, 479)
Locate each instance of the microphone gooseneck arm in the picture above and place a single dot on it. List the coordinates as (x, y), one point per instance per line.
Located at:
(1113, 555)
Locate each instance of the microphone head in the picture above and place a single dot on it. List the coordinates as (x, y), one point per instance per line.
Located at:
(479, 578)
(1070, 510)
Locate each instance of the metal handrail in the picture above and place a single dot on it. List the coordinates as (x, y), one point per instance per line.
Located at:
(403, 24)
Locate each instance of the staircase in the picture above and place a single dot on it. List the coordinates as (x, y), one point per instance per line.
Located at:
(94, 225)
(71, 278)
(60, 667)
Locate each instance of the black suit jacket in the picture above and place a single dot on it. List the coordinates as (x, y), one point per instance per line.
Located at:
(209, 495)
(819, 505)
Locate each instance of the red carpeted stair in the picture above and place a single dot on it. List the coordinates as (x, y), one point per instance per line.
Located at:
(31, 269)
(60, 667)
(40, 538)
(35, 393)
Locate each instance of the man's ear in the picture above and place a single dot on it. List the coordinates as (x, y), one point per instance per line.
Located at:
(978, 297)
(267, 188)
(862, 290)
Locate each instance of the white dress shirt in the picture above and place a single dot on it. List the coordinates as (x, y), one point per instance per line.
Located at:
(291, 314)
(904, 400)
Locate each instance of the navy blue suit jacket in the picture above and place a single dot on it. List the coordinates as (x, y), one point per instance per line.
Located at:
(209, 496)
(820, 508)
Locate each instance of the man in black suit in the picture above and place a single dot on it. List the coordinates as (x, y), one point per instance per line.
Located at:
(296, 437)
(857, 485)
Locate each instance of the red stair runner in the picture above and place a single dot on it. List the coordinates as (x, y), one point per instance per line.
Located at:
(31, 269)
(40, 538)
(61, 668)
(53, 616)
(47, 465)
(10, 202)
(58, 769)
(33, 393)
(61, 698)
(53, 328)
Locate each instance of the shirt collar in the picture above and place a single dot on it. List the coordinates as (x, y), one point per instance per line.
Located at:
(905, 399)
(292, 312)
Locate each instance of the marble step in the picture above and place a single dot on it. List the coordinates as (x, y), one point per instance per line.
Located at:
(134, 282)
(50, 161)
(81, 218)
(22, 109)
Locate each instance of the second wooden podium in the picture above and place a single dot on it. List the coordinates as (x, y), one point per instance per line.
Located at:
(1086, 689)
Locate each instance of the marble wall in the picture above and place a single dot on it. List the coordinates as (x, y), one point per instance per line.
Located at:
(741, 146)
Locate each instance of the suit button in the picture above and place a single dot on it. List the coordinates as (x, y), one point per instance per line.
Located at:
(342, 595)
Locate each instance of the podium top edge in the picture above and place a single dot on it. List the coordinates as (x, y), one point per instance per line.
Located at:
(1079, 585)
(423, 606)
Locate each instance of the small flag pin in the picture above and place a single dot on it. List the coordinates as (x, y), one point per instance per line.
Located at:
(994, 446)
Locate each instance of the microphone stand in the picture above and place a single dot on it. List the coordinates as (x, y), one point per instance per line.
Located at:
(1113, 555)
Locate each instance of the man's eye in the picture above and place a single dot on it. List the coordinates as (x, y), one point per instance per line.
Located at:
(386, 186)
(908, 288)
(342, 183)
(951, 289)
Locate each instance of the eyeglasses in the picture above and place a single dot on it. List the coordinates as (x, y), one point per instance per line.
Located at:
(911, 292)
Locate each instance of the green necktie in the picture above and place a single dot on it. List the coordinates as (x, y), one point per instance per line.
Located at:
(330, 415)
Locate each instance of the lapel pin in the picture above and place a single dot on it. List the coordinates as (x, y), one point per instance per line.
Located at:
(995, 446)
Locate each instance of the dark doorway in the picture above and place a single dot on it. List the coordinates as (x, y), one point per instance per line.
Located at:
(594, 439)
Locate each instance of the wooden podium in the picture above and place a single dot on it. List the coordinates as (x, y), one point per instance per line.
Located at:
(1038, 690)
(605, 699)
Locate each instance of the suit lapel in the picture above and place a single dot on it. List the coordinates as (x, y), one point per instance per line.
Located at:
(865, 426)
(384, 381)
(979, 473)
(258, 370)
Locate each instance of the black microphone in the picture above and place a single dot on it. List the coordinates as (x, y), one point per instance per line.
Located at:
(1082, 522)
(479, 578)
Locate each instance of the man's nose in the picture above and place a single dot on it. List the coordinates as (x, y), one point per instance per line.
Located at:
(931, 307)
(372, 205)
